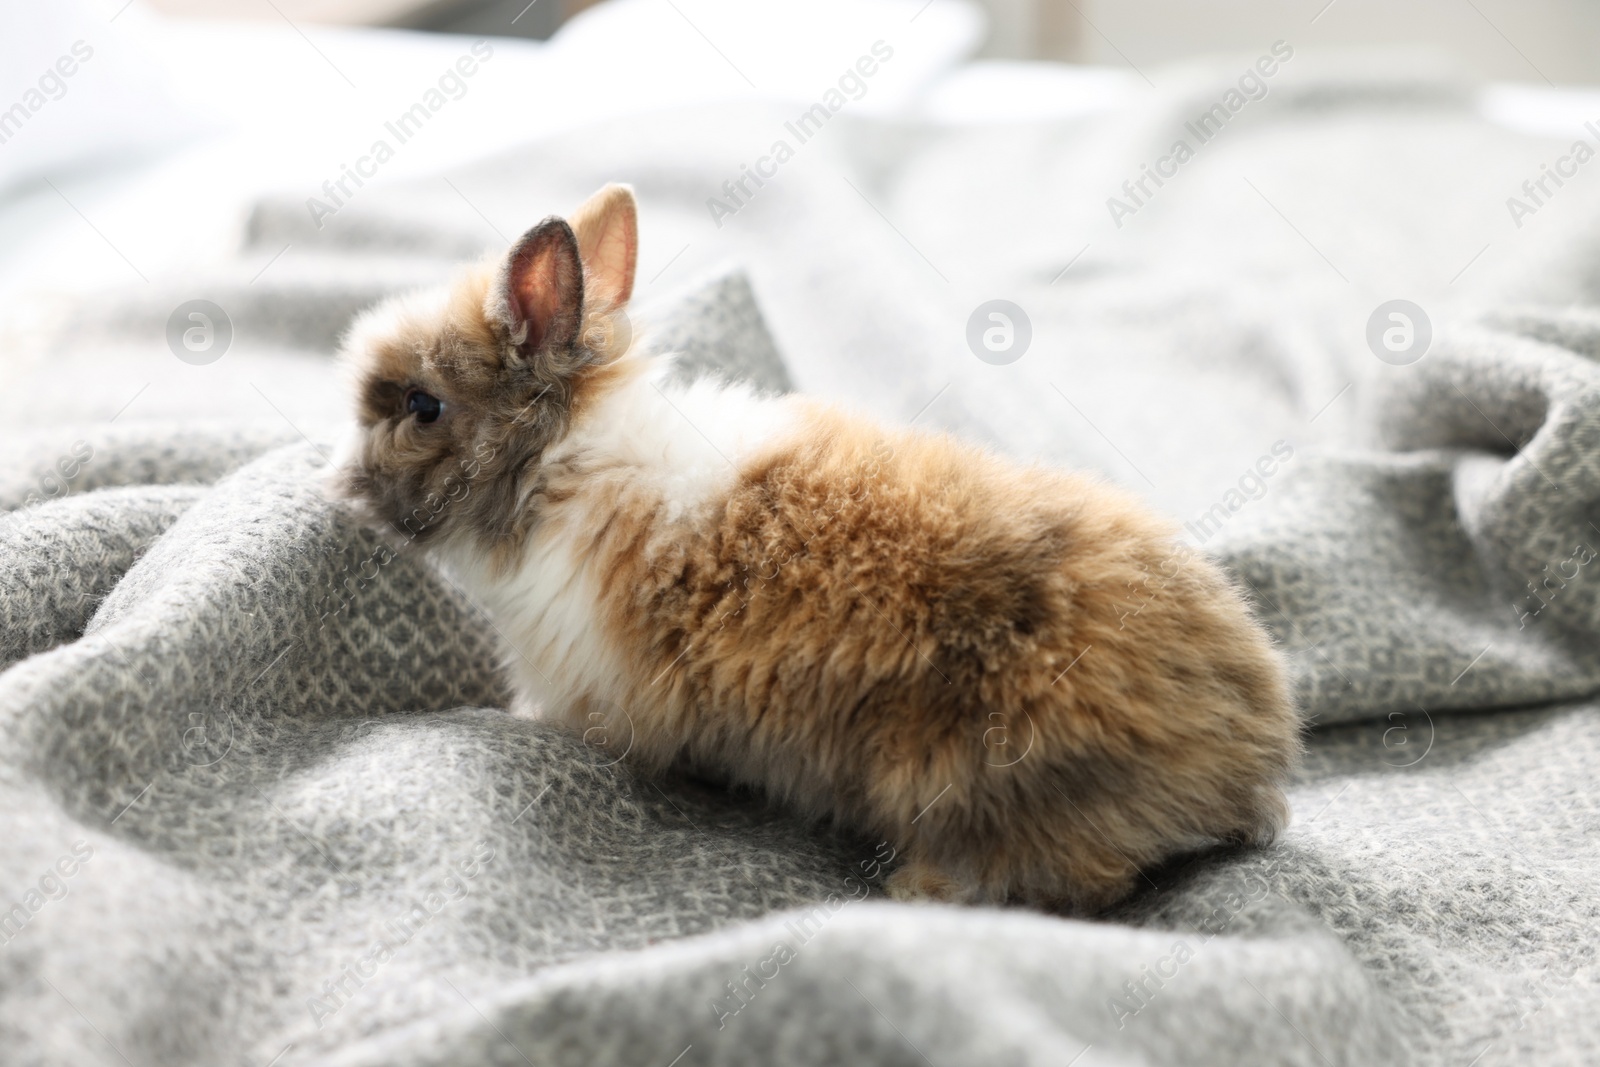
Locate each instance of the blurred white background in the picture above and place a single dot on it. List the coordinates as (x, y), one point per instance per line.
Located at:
(1530, 40)
(1538, 40)
(191, 108)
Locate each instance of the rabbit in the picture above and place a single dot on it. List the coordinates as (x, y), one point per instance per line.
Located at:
(1017, 675)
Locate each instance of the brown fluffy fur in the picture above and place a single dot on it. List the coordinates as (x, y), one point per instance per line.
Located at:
(1014, 674)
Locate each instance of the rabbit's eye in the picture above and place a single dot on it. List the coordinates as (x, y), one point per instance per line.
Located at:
(425, 406)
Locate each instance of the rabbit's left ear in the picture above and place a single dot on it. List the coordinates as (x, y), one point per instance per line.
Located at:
(538, 294)
(607, 225)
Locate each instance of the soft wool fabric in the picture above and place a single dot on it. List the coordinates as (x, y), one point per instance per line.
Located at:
(312, 834)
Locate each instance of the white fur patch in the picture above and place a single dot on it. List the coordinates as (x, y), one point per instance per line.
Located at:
(687, 443)
(548, 617)
(682, 446)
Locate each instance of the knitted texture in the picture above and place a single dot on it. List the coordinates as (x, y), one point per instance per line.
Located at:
(1473, 540)
(262, 803)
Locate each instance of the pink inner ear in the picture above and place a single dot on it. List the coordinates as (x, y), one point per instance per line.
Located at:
(607, 229)
(545, 289)
(613, 264)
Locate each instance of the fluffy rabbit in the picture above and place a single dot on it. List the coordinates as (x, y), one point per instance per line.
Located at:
(1014, 674)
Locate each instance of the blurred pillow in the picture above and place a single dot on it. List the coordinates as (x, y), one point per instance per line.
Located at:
(77, 87)
(696, 50)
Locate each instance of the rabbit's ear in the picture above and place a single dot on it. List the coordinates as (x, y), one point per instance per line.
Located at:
(538, 294)
(607, 225)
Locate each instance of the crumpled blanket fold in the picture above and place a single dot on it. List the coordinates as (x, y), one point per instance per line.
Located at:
(263, 803)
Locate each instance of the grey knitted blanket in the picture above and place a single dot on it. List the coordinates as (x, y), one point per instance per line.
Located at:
(261, 803)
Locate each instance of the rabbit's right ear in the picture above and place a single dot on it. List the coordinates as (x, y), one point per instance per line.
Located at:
(538, 293)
